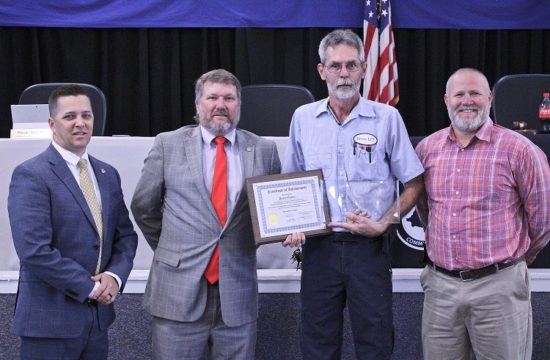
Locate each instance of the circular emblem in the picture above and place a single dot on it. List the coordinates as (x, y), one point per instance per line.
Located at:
(365, 139)
(410, 231)
(273, 219)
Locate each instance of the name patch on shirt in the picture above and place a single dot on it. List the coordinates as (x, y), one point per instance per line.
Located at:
(364, 143)
(365, 139)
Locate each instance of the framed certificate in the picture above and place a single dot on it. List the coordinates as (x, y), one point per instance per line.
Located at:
(287, 203)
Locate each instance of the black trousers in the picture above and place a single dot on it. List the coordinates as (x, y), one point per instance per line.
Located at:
(342, 270)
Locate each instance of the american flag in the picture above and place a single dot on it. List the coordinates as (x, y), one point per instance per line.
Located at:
(380, 82)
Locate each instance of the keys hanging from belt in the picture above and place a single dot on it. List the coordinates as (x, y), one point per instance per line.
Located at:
(297, 258)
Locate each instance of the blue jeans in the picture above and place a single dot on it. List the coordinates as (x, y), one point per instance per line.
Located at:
(341, 270)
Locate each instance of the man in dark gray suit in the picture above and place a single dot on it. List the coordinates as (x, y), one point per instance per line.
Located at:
(73, 236)
(202, 289)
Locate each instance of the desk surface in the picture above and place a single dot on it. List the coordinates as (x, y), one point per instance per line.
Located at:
(126, 154)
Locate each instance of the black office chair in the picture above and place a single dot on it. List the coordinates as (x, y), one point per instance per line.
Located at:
(518, 97)
(267, 109)
(39, 93)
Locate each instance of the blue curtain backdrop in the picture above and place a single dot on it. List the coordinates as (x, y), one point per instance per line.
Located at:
(414, 14)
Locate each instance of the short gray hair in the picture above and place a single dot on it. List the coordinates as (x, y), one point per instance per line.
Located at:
(216, 76)
(341, 36)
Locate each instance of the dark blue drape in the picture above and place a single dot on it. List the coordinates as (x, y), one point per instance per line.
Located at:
(418, 14)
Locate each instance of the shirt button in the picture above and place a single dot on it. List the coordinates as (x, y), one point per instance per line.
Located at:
(454, 236)
(457, 192)
(454, 214)
(457, 170)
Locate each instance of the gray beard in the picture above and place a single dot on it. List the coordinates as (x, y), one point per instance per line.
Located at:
(344, 94)
(469, 127)
(218, 129)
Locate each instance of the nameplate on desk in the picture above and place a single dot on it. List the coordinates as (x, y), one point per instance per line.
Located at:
(43, 133)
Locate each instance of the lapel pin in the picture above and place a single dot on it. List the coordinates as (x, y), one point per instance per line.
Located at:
(249, 149)
(103, 171)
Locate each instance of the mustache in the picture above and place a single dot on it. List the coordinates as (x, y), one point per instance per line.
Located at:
(220, 112)
(469, 108)
(345, 82)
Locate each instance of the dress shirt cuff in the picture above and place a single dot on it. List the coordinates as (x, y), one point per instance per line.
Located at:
(119, 282)
(96, 285)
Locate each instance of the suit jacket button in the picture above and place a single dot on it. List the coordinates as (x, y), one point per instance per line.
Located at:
(96, 247)
(221, 236)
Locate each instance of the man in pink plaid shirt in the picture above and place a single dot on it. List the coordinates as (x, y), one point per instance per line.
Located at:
(486, 213)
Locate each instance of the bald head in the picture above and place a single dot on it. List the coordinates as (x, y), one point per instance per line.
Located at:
(468, 71)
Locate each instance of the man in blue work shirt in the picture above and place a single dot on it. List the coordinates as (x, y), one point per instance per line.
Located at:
(352, 140)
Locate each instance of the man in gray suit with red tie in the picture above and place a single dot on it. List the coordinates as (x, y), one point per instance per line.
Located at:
(192, 207)
(74, 239)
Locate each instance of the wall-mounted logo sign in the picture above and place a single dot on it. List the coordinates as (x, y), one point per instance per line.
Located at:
(410, 231)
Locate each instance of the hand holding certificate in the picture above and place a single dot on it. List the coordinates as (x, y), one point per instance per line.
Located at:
(287, 203)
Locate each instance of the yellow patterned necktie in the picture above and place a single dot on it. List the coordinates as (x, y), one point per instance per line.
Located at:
(89, 194)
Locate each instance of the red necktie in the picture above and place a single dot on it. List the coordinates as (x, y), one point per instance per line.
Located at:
(218, 197)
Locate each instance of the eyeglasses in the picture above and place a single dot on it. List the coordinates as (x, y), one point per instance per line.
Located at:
(335, 68)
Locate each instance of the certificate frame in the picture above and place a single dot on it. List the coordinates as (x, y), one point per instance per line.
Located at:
(288, 183)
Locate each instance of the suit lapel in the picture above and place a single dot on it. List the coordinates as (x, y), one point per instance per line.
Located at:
(193, 155)
(247, 148)
(61, 170)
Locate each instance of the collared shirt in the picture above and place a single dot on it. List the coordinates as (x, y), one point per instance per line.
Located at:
(318, 141)
(488, 202)
(234, 165)
(72, 160)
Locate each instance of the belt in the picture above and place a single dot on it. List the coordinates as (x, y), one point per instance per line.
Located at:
(468, 275)
(346, 236)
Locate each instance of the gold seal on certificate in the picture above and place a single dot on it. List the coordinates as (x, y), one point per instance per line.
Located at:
(287, 203)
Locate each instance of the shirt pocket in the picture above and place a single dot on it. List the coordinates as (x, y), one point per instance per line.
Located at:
(319, 158)
(367, 166)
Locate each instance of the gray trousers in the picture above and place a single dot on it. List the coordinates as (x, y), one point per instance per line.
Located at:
(490, 317)
(206, 338)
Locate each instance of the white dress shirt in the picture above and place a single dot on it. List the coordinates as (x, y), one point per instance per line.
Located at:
(234, 165)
